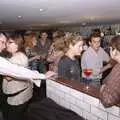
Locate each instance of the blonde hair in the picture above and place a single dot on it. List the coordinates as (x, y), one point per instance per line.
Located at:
(63, 44)
(29, 40)
(73, 39)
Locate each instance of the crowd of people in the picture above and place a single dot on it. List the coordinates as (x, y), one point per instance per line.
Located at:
(26, 60)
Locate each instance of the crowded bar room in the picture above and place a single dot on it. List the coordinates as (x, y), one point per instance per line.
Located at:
(59, 59)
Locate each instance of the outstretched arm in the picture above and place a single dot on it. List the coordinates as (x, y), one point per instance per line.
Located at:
(13, 70)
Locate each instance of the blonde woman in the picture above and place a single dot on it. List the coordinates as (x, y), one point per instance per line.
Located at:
(68, 67)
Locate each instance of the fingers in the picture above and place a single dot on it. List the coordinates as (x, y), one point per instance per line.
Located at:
(50, 74)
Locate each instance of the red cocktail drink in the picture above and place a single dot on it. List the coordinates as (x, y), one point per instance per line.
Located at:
(87, 72)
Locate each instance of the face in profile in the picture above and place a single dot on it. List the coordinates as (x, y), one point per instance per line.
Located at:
(115, 54)
(95, 43)
(78, 48)
(12, 47)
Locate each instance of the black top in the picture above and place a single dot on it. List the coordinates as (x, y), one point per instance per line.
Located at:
(69, 69)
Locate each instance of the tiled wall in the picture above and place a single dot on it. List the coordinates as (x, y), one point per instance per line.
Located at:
(83, 104)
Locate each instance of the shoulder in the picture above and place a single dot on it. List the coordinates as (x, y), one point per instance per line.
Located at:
(102, 50)
(113, 76)
(21, 55)
(104, 53)
(64, 61)
(20, 59)
(87, 52)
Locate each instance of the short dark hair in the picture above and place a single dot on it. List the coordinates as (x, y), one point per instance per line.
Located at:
(94, 35)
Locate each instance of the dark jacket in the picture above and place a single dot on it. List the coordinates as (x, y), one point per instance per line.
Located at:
(110, 90)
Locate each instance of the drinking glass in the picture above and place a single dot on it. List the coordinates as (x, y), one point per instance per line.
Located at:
(87, 73)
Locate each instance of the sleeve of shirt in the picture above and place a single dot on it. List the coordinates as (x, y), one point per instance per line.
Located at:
(106, 57)
(13, 70)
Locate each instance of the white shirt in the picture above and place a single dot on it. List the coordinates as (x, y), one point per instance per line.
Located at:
(15, 85)
(94, 60)
(13, 70)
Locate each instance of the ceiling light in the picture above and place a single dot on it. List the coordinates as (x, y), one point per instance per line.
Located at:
(44, 25)
(83, 23)
(19, 16)
(41, 9)
(65, 21)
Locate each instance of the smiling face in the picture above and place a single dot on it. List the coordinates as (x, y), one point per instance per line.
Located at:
(12, 47)
(95, 43)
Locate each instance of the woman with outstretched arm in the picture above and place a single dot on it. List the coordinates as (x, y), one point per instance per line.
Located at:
(13, 70)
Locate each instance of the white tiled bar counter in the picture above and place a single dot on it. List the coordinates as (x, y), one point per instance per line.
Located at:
(85, 104)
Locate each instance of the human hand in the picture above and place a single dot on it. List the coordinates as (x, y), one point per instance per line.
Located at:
(43, 56)
(50, 74)
(37, 57)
